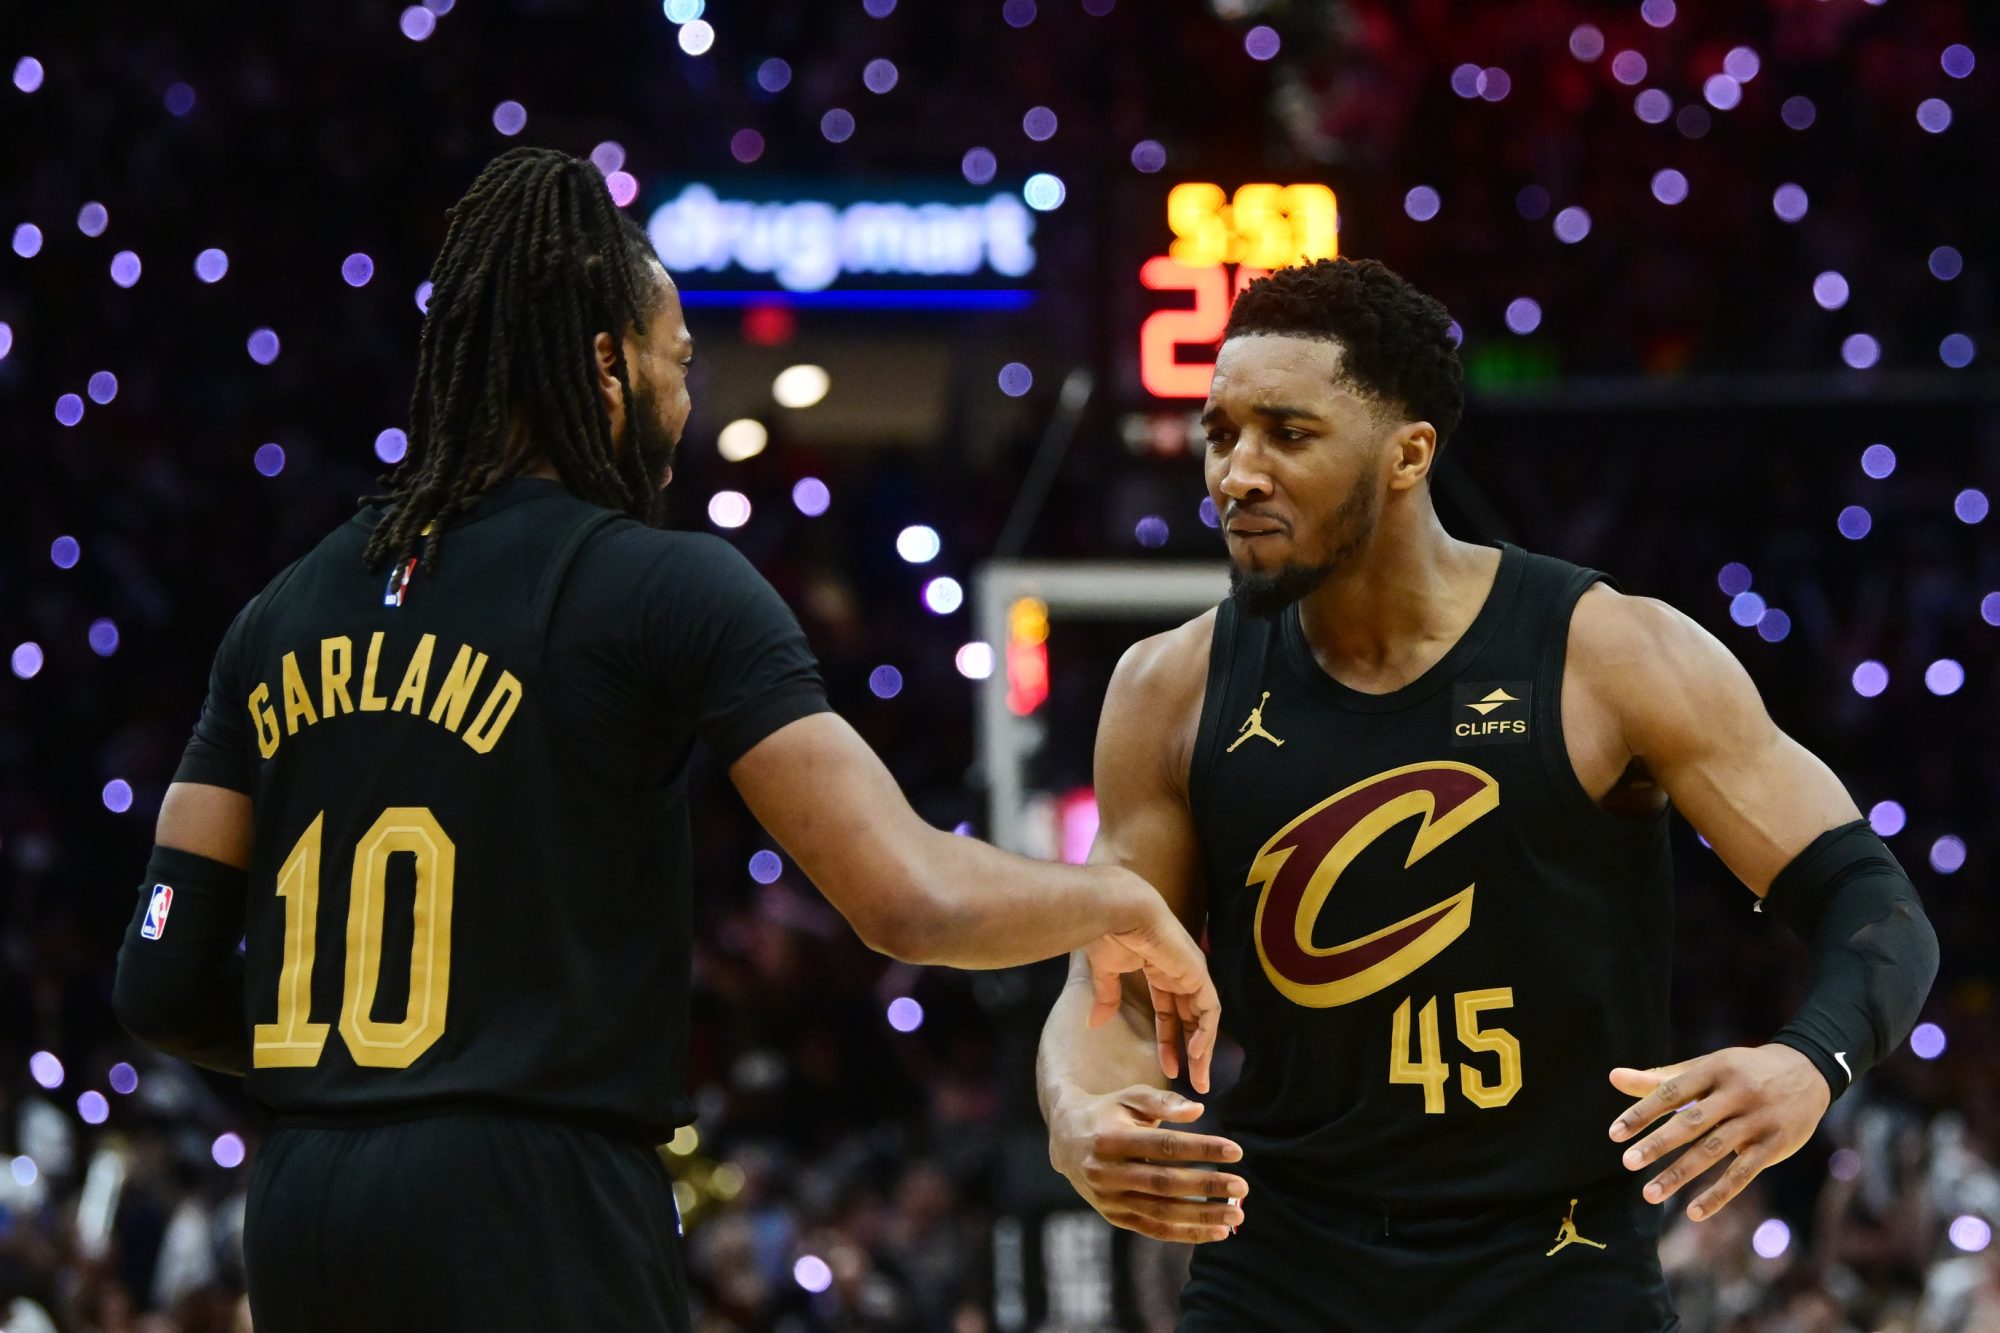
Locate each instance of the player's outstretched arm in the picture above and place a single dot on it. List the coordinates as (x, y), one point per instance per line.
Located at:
(180, 979)
(1103, 1094)
(1779, 818)
(927, 896)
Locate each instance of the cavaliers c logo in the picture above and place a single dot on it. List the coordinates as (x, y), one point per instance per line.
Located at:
(1300, 863)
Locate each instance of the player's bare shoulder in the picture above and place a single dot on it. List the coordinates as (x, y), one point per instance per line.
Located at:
(1645, 666)
(1153, 706)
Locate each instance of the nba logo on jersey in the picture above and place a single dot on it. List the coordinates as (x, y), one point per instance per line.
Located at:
(155, 924)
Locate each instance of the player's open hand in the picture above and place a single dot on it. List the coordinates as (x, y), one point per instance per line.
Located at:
(1142, 1176)
(1757, 1103)
(1185, 1005)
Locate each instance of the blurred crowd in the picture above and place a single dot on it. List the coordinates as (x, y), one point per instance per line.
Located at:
(846, 1173)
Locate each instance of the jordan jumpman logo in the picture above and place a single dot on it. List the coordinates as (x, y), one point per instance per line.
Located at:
(1255, 726)
(1567, 1235)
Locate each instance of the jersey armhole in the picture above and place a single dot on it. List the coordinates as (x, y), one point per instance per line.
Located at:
(1221, 659)
(1554, 742)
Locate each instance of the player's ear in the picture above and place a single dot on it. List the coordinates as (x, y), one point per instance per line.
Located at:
(607, 383)
(1414, 449)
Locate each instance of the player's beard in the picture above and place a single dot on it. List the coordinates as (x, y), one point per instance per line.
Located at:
(1266, 592)
(656, 450)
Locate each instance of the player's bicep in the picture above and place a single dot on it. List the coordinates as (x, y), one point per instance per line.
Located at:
(210, 821)
(1692, 714)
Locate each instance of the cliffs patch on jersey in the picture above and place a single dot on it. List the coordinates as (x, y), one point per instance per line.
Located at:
(1301, 864)
(448, 703)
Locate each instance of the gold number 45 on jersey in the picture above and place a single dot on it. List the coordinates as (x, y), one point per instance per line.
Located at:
(1431, 1072)
(295, 1041)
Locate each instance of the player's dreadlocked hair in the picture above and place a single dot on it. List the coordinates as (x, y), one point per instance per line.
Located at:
(1394, 341)
(537, 261)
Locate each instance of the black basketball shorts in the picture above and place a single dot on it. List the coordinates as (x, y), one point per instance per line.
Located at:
(1540, 1266)
(466, 1222)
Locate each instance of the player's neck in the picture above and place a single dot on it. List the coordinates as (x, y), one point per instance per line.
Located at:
(1400, 604)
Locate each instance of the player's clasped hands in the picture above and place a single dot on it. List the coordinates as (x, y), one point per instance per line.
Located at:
(1760, 1104)
(1138, 1174)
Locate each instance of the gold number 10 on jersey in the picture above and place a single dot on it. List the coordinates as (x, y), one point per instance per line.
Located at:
(295, 1041)
(1429, 1069)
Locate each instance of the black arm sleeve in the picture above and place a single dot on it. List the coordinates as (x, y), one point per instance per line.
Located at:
(221, 753)
(1874, 954)
(724, 643)
(180, 983)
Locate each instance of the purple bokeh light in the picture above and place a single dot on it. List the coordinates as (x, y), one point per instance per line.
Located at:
(94, 1107)
(262, 344)
(1039, 124)
(269, 459)
(837, 125)
(746, 145)
(126, 268)
(1151, 531)
(64, 552)
(1830, 290)
(1722, 92)
(1789, 202)
(1148, 156)
(1860, 350)
(6, 339)
(26, 659)
(93, 218)
(28, 74)
(1733, 578)
(1957, 60)
(1870, 679)
(979, 166)
(1465, 80)
(1798, 113)
(878, 9)
(1957, 351)
(1742, 64)
(1775, 626)
(179, 99)
(1016, 379)
(69, 409)
(1586, 41)
(103, 637)
(885, 682)
(1944, 676)
(1532, 203)
(1495, 83)
(1878, 461)
(1927, 1041)
(1693, 121)
(811, 497)
(1524, 315)
(1887, 818)
(1747, 608)
(812, 1272)
(905, 1014)
(1018, 13)
(357, 269)
(1854, 522)
(1572, 225)
(124, 1079)
(417, 23)
(1657, 13)
(211, 264)
(1771, 1239)
(608, 156)
(227, 1151)
(773, 76)
(1989, 608)
(1629, 68)
(1948, 855)
(1670, 187)
(1946, 263)
(1970, 1233)
(879, 76)
(1206, 512)
(1421, 203)
(1970, 505)
(1261, 42)
(1934, 115)
(624, 187)
(46, 1070)
(1652, 106)
(117, 796)
(510, 118)
(391, 445)
(766, 865)
(103, 387)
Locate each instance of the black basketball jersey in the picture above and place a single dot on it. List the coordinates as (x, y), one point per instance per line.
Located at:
(470, 883)
(1431, 943)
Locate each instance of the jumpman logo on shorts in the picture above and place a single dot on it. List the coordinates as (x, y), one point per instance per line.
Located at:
(1568, 1236)
(1254, 726)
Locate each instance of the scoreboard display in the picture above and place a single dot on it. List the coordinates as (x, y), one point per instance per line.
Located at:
(1221, 242)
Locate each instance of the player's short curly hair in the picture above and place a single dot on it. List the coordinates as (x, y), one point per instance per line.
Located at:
(1397, 351)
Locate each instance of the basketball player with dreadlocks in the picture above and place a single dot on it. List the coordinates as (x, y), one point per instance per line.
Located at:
(439, 789)
(1416, 789)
